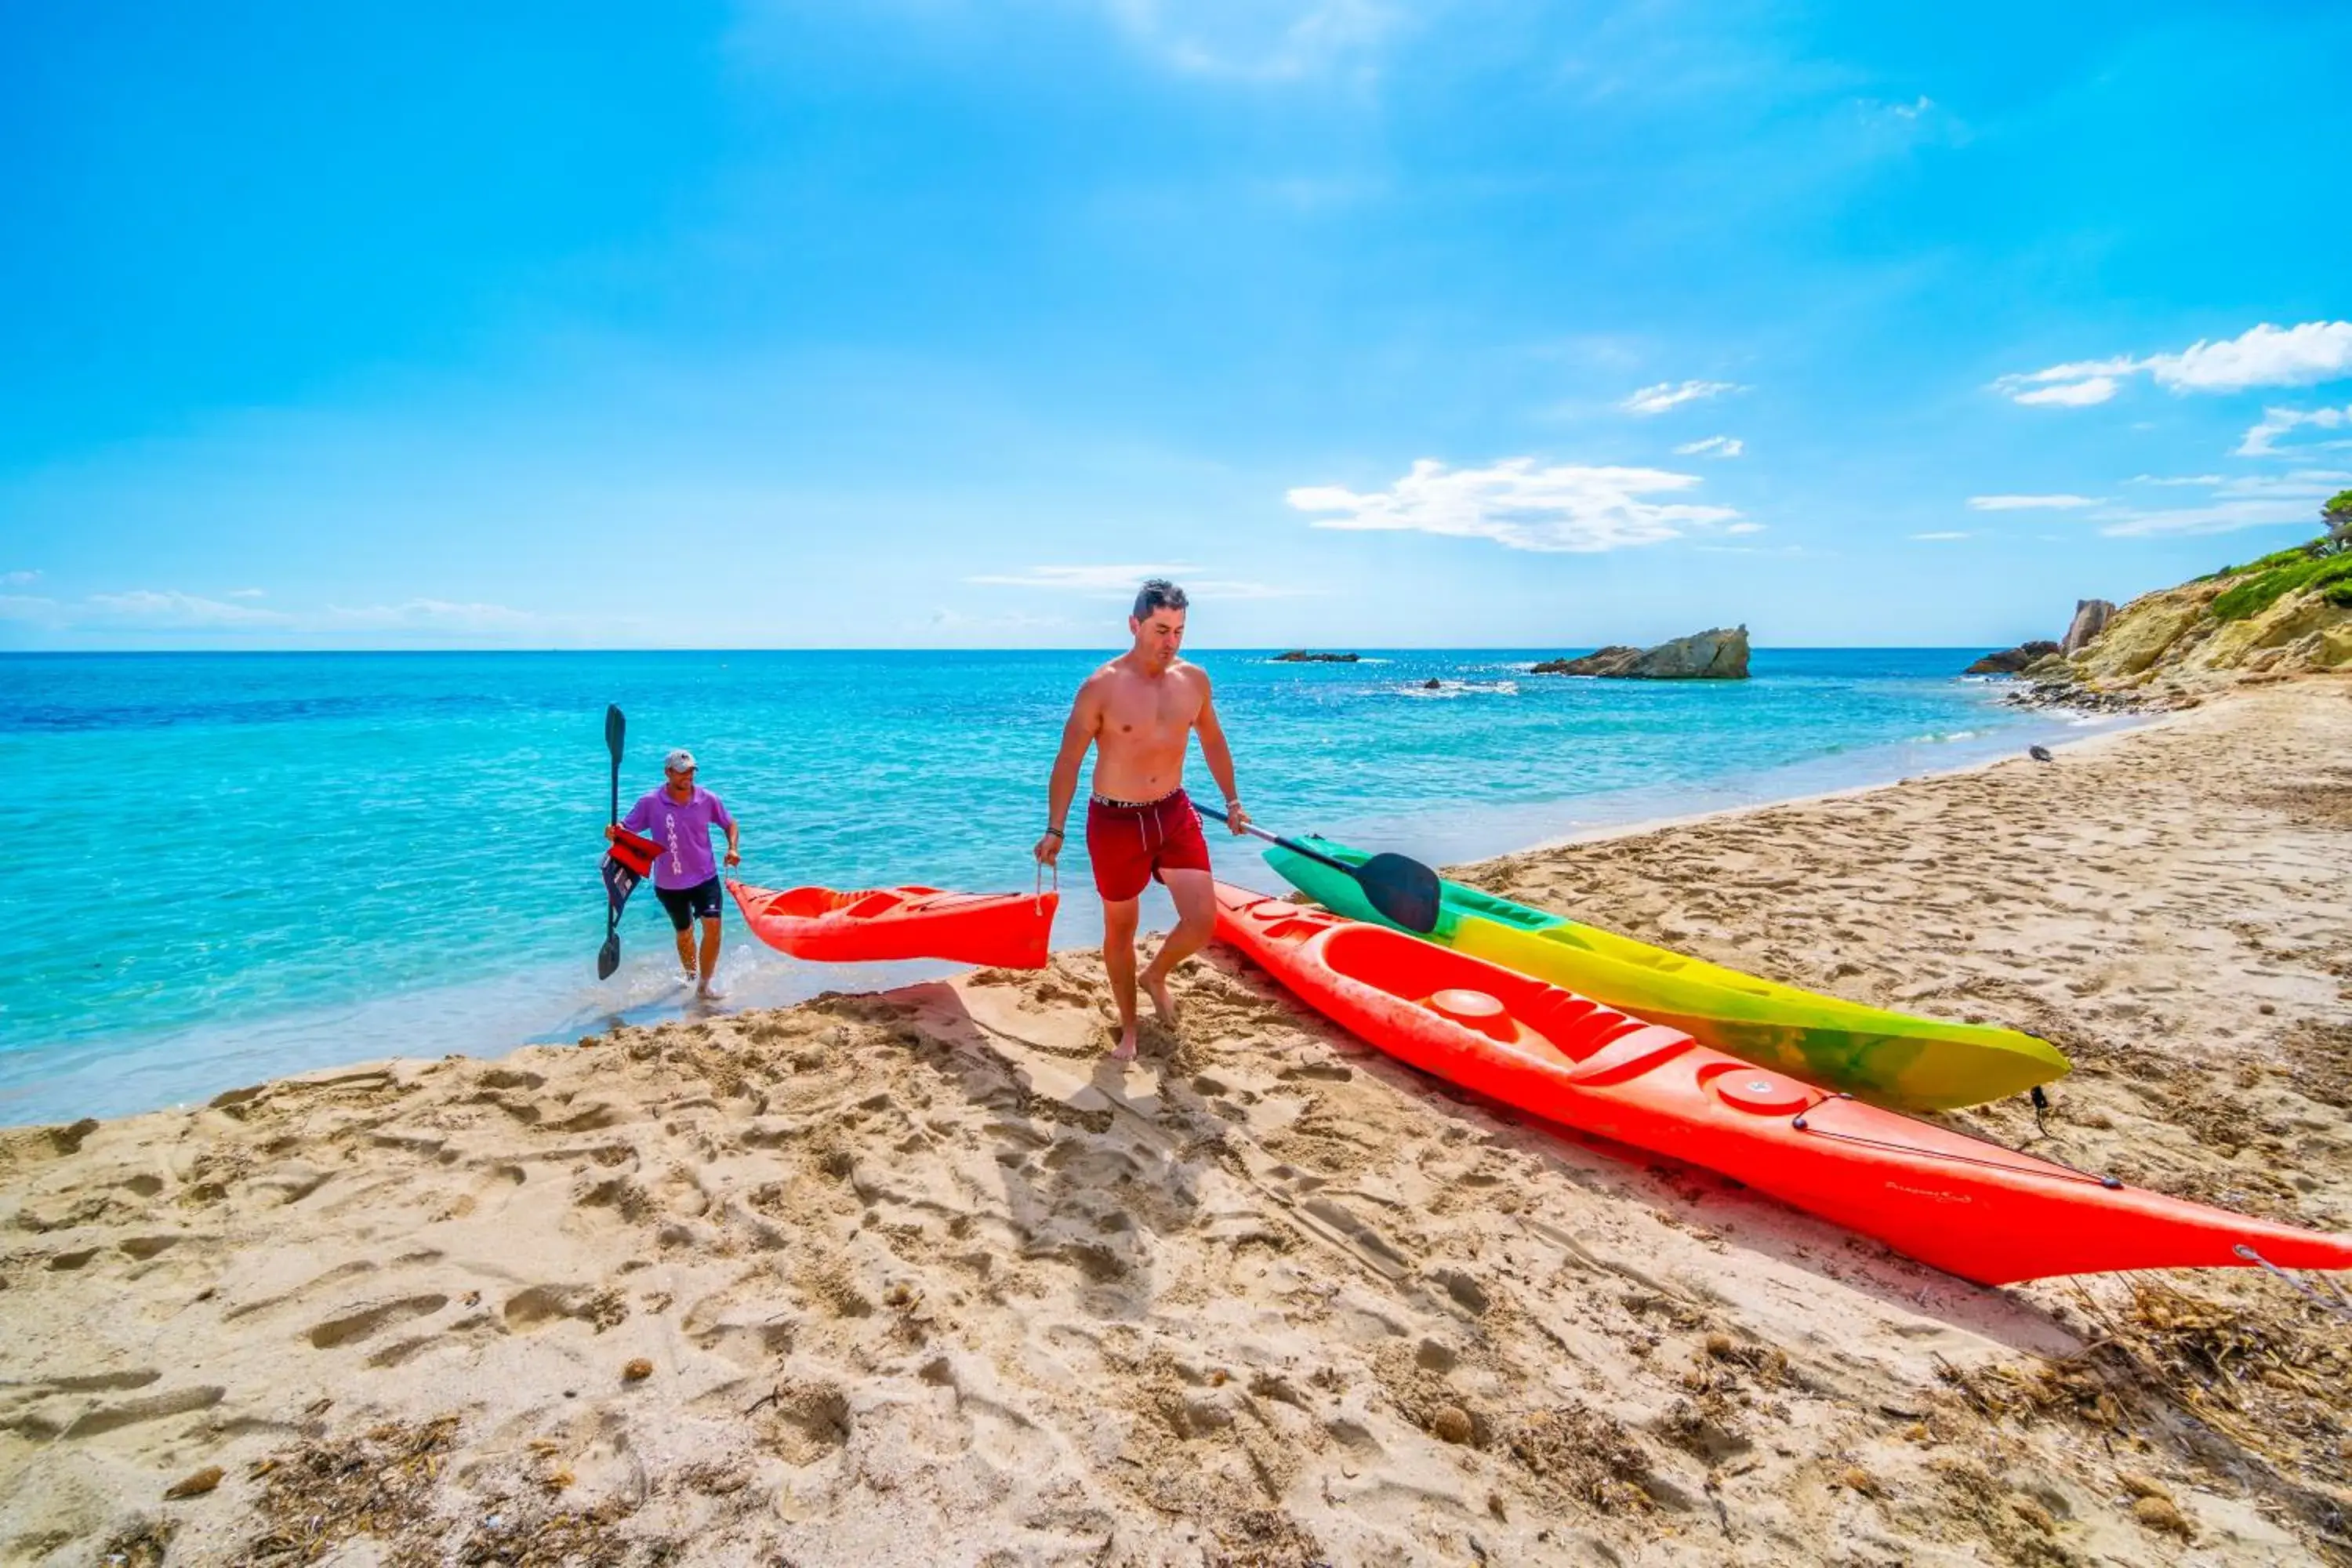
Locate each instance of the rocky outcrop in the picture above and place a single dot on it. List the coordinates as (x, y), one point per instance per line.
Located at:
(1301, 656)
(2285, 615)
(1717, 654)
(2091, 617)
(1617, 659)
(2010, 660)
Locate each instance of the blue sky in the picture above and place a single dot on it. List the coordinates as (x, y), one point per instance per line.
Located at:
(934, 322)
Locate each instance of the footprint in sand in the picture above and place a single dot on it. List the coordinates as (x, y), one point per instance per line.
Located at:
(365, 1323)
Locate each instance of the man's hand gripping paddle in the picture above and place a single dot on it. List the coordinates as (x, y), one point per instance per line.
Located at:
(1403, 890)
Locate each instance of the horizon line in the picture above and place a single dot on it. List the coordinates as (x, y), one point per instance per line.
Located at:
(876, 647)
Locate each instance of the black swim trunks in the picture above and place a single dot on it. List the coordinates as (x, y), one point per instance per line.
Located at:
(687, 905)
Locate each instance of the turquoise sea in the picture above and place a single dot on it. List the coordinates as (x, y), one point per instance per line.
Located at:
(239, 865)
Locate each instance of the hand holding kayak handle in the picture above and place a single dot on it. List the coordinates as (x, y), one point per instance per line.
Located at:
(1049, 849)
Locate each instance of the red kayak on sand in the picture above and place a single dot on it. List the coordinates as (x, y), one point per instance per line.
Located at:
(1974, 1208)
(1009, 930)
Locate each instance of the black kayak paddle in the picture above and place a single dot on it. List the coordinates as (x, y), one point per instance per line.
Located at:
(1403, 890)
(608, 958)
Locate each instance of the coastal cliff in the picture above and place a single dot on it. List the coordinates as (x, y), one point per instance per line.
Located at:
(2282, 615)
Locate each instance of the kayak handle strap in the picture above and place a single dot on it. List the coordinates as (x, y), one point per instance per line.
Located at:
(1038, 887)
(2337, 1306)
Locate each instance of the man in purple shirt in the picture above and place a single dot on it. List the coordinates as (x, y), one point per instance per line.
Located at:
(679, 816)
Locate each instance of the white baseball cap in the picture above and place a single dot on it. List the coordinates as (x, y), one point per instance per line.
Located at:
(679, 762)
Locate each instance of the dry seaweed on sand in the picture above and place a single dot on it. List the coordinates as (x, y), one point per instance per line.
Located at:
(1265, 1538)
(1586, 1454)
(2250, 1386)
(379, 1484)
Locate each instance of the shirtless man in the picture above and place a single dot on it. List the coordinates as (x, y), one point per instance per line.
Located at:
(1137, 713)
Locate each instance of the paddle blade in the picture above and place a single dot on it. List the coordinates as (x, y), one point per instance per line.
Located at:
(1403, 890)
(614, 728)
(620, 881)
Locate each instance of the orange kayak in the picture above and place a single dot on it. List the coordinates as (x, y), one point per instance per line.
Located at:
(1976, 1209)
(1010, 930)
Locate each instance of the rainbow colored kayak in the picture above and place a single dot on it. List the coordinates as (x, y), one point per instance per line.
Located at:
(1894, 1058)
(1975, 1209)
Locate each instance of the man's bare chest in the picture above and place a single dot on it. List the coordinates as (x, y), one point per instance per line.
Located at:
(1148, 714)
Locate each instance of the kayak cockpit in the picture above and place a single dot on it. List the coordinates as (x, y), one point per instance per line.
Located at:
(1509, 1008)
(858, 904)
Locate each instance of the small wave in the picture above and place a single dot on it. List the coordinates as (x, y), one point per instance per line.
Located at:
(1936, 737)
(1452, 689)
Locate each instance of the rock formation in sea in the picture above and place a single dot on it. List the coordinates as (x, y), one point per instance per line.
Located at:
(2011, 660)
(1717, 654)
(1302, 656)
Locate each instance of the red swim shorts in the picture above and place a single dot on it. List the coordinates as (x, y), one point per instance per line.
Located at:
(1131, 842)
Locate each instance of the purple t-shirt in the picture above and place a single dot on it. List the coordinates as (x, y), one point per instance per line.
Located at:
(683, 830)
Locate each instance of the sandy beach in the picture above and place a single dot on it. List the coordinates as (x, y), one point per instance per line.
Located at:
(916, 1277)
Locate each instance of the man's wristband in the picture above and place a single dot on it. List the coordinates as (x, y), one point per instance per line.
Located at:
(1057, 832)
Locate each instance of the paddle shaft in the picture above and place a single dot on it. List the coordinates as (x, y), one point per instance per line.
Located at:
(614, 727)
(1292, 845)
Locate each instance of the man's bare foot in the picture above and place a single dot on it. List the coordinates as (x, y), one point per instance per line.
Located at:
(1163, 1004)
(1125, 1050)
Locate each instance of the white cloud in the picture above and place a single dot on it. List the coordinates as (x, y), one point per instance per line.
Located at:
(2030, 503)
(175, 609)
(2317, 483)
(1254, 40)
(1945, 534)
(2073, 395)
(2221, 517)
(1744, 528)
(431, 615)
(2262, 439)
(148, 609)
(1669, 394)
(2250, 501)
(2263, 355)
(1911, 110)
(1086, 579)
(2259, 356)
(246, 594)
(1713, 446)
(946, 620)
(18, 579)
(27, 607)
(1519, 505)
(1120, 582)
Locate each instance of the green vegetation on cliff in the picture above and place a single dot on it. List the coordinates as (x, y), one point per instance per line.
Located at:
(2287, 613)
(2330, 575)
